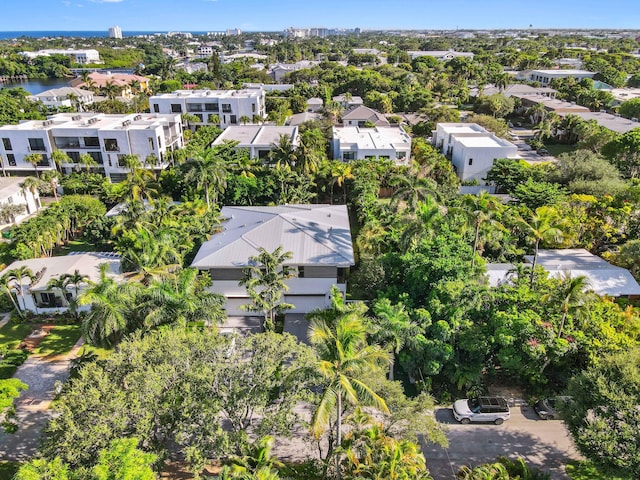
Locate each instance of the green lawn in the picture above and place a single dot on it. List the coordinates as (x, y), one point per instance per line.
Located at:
(77, 245)
(13, 333)
(557, 149)
(586, 471)
(102, 353)
(8, 470)
(60, 340)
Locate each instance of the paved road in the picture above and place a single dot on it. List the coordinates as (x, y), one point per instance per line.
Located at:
(544, 444)
(32, 407)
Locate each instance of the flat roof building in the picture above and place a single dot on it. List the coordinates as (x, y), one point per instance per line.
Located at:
(258, 139)
(357, 143)
(544, 77)
(471, 149)
(106, 138)
(213, 107)
(77, 56)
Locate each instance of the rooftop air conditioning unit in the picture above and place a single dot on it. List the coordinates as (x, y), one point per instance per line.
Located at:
(634, 119)
(137, 117)
(76, 117)
(126, 123)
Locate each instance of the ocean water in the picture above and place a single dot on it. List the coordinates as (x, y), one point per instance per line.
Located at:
(37, 85)
(62, 33)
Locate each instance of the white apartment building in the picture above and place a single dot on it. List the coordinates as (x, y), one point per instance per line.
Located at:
(212, 107)
(82, 57)
(64, 97)
(258, 139)
(471, 149)
(382, 143)
(12, 193)
(106, 138)
(115, 32)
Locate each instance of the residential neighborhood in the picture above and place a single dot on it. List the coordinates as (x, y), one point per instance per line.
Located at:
(305, 243)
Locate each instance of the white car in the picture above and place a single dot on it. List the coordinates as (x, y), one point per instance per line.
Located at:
(481, 409)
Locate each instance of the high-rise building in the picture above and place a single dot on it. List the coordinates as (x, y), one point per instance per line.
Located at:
(115, 32)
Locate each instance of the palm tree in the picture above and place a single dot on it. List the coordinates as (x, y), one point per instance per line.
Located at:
(340, 173)
(59, 284)
(283, 153)
(74, 279)
(480, 209)
(544, 225)
(572, 296)
(7, 284)
(15, 278)
(59, 157)
(182, 300)
(244, 119)
(111, 90)
(344, 358)
(88, 161)
(34, 159)
(111, 305)
(154, 255)
(393, 328)
(207, 170)
(214, 118)
(264, 280)
(537, 112)
(411, 188)
(423, 221)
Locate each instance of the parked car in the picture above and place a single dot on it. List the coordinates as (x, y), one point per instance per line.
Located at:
(547, 408)
(481, 409)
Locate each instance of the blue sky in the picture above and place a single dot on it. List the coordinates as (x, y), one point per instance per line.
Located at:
(212, 15)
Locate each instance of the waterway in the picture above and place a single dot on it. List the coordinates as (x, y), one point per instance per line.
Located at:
(37, 85)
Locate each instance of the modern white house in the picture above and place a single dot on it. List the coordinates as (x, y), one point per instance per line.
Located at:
(603, 278)
(69, 97)
(314, 104)
(544, 77)
(348, 101)
(318, 237)
(37, 297)
(106, 138)
(258, 139)
(357, 143)
(213, 107)
(82, 57)
(12, 193)
(361, 116)
(471, 149)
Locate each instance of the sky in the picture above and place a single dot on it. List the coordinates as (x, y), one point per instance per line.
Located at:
(276, 15)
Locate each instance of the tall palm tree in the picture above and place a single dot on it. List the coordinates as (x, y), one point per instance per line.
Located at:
(421, 222)
(59, 157)
(60, 285)
(7, 285)
(88, 161)
(265, 278)
(543, 225)
(111, 306)
(344, 358)
(340, 173)
(34, 159)
(52, 176)
(572, 296)
(74, 279)
(283, 153)
(111, 90)
(393, 328)
(16, 277)
(207, 170)
(480, 209)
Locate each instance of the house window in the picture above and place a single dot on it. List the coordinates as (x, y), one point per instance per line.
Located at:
(176, 108)
(401, 155)
(226, 108)
(194, 107)
(74, 156)
(11, 158)
(253, 107)
(211, 107)
(199, 117)
(91, 142)
(150, 143)
(6, 142)
(156, 108)
(233, 120)
(36, 145)
(300, 272)
(67, 142)
(347, 156)
(122, 160)
(471, 161)
(97, 156)
(111, 145)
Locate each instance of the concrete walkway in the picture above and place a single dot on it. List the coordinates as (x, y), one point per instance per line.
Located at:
(32, 407)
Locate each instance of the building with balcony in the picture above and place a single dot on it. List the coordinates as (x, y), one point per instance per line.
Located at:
(471, 149)
(108, 139)
(318, 237)
(378, 143)
(258, 139)
(213, 107)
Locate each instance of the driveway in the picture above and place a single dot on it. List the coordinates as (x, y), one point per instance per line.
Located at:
(543, 444)
(32, 407)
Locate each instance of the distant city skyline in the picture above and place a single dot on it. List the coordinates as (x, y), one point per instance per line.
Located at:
(277, 15)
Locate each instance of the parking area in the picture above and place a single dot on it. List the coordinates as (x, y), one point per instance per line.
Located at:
(542, 443)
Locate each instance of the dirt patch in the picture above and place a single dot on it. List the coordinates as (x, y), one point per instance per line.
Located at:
(31, 342)
(512, 394)
(174, 470)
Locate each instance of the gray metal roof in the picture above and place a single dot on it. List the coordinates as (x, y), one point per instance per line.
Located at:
(315, 234)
